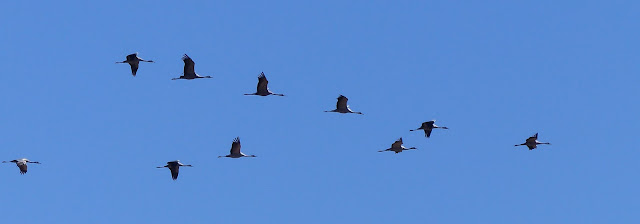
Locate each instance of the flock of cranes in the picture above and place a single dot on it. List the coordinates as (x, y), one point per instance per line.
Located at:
(262, 90)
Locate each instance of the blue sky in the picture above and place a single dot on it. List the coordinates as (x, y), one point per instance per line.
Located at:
(494, 72)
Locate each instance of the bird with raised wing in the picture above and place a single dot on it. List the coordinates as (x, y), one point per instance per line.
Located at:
(134, 61)
(21, 163)
(174, 166)
(342, 107)
(262, 89)
(428, 127)
(397, 147)
(189, 70)
(532, 142)
(235, 150)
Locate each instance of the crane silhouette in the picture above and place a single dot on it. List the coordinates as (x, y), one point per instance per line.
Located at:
(397, 147)
(235, 150)
(428, 127)
(21, 163)
(134, 62)
(262, 89)
(532, 142)
(189, 70)
(342, 107)
(174, 166)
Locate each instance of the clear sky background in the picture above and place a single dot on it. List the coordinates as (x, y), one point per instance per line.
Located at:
(494, 72)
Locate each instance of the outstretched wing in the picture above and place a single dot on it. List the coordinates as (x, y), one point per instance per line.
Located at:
(188, 66)
(397, 144)
(235, 146)
(22, 166)
(262, 83)
(427, 132)
(532, 139)
(342, 103)
(175, 169)
(134, 68)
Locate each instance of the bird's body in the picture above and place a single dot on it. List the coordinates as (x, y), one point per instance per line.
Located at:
(174, 166)
(21, 163)
(342, 107)
(397, 147)
(189, 70)
(134, 61)
(428, 127)
(235, 150)
(262, 89)
(532, 142)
